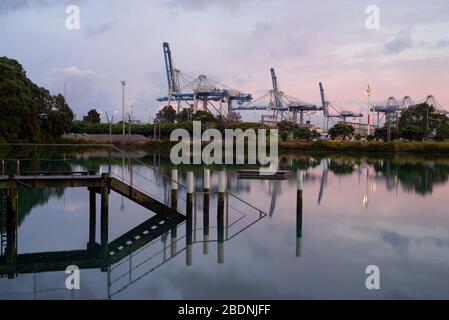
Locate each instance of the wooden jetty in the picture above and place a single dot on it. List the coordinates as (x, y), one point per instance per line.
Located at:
(95, 255)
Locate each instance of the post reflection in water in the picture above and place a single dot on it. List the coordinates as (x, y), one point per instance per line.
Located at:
(12, 211)
(206, 203)
(299, 192)
(174, 205)
(189, 218)
(220, 216)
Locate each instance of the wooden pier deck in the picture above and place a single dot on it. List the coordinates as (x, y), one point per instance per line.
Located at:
(91, 181)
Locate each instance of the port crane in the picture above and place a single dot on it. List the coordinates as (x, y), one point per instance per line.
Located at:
(199, 93)
(392, 108)
(281, 105)
(342, 115)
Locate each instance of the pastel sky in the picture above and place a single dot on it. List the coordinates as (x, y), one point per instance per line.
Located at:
(235, 42)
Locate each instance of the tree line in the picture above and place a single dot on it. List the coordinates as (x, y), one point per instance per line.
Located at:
(29, 113)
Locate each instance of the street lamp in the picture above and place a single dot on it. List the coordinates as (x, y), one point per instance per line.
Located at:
(368, 94)
(123, 104)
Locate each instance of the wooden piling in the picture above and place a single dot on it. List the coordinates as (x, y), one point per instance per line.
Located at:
(174, 188)
(104, 224)
(92, 217)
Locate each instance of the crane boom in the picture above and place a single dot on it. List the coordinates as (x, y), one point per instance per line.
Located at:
(277, 98)
(169, 68)
(323, 100)
(275, 80)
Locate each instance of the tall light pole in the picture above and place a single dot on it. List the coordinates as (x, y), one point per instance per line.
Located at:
(368, 94)
(123, 104)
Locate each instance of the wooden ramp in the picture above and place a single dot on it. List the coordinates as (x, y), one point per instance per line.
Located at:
(144, 199)
(138, 237)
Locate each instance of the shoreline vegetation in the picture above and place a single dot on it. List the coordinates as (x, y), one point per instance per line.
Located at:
(329, 146)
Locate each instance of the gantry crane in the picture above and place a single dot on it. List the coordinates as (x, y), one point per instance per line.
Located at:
(200, 92)
(281, 105)
(342, 115)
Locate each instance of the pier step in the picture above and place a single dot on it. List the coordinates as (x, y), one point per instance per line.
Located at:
(144, 200)
(138, 237)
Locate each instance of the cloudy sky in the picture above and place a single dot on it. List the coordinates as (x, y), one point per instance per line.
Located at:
(234, 42)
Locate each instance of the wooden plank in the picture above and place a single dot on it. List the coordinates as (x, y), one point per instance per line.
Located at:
(53, 181)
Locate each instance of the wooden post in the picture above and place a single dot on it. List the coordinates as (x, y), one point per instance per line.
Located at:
(189, 222)
(220, 216)
(174, 188)
(109, 161)
(174, 205)
(92, 218)
(11, 227)
(105, 223)
(299, 206)
(206, 211)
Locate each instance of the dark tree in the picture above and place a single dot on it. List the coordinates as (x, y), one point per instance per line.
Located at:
(304, 133)
(412, 132)
(184, 115)
(341, 131)
(167, 115)
(29, 113)
(92, 116)
(426, 118)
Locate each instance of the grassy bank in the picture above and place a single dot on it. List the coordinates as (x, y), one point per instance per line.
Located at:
(286, 146)
(340, 146)
(367, 147)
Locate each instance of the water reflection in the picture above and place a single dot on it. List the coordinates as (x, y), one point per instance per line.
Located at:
(327, 224)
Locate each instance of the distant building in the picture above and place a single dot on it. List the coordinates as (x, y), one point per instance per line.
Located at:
(361, 128)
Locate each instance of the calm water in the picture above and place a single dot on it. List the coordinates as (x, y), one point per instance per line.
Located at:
(356, 212)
